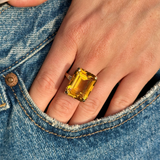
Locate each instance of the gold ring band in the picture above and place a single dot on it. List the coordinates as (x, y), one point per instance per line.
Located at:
(80, 84)
(69, 77)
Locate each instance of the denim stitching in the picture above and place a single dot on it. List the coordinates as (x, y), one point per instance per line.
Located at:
(32, 107)
(5, 9)
(85, 135)
(94, 125)
(3, 104)
(1, 98)
(29, 53)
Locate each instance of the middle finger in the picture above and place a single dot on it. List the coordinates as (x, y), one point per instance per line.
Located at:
(63, 106)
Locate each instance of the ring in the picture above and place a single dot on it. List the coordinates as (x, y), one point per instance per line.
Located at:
(80, 84)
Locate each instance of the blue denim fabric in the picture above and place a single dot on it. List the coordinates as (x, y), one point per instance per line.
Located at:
(26, 133)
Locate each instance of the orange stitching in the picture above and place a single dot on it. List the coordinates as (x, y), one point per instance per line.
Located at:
(3, 105)
(5, 9)
(84, 134)
(67, 130)
(32, 107)
(28, 53)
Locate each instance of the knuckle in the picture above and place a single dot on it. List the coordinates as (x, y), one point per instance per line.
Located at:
(72, 34)
(63, 107)
(97, 53)
(90, 106)
(45, 82)
(146, 61)
(96, 56)
(76, 29)
(120, 103)
(149, 59)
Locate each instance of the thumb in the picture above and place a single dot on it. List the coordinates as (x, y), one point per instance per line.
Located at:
(23, 3)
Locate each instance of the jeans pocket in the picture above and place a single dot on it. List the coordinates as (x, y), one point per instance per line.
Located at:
(48, 124)
(130, 134)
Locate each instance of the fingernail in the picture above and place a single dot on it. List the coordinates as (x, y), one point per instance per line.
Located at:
(3, 1)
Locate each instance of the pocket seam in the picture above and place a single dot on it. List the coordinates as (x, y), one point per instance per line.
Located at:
(3, 104)
(4, 9)
(85, 135)
(94, 125)
(2, 101)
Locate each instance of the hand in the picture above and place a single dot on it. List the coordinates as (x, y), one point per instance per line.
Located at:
(23, 3)
(116, 40)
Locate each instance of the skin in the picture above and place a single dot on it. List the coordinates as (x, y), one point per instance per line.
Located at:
(117, 40)
(25, 3)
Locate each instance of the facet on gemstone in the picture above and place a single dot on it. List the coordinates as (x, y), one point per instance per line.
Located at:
(81, 84)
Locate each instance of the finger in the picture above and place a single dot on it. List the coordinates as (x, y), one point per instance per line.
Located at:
(63, 106)
(25, 3)
(51, 74)
(64, 111)
(88, 110)
(127, 92)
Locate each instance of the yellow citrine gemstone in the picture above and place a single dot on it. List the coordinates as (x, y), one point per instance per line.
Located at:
(81, 84)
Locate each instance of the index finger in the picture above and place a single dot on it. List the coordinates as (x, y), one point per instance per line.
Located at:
(51, 74)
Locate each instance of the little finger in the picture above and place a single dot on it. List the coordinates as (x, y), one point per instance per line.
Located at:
(127, 91)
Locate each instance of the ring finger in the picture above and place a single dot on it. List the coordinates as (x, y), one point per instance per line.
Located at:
(64, 108)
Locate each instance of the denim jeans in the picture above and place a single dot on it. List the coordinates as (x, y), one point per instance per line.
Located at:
(26, 133)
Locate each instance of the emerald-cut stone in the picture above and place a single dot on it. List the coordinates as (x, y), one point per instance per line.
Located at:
(81, 84)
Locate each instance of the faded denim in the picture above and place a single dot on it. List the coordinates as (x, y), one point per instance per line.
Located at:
(26, 133)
